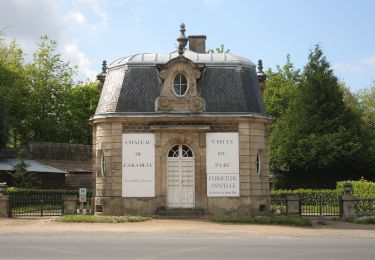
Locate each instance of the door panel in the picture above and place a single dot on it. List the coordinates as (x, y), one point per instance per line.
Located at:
(180, 178)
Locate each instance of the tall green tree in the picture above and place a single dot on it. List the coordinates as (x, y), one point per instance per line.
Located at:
(13, 91)
(281, 89)
(319, 139)
(49, 79)
(367, 104)
(80, 105)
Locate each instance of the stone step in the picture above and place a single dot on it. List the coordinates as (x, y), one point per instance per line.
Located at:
(181, 213)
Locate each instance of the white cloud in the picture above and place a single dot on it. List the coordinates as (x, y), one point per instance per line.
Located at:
(97, 7)
(76, 16)
(25, 21)
(73, 54)
(347, 67)
(369, 60)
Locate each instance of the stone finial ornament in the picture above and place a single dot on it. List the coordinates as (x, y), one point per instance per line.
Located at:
(182, 40)
(101, 76)
(261, 76)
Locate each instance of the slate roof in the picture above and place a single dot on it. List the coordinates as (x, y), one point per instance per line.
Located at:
(71, 166)
(32, 166)
(228, 84)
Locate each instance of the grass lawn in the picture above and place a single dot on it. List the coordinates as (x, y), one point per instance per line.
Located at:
(369, 220)
(274, 220)
(100, 219)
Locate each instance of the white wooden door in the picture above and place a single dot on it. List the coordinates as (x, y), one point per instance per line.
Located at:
(180, 177)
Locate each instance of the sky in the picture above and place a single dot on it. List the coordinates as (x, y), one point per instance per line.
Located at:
(89, 31)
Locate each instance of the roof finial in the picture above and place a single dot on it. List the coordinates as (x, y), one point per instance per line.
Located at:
(261, 76)
(260, 67)
(182, 40)
(104, 67)
(101, 76)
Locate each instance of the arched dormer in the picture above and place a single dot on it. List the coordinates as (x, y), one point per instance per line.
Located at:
(179, 89)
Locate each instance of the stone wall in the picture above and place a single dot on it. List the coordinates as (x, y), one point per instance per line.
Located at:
(49, 151)
(254, 187)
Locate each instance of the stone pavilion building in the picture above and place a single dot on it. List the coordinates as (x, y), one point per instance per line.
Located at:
(181, 131)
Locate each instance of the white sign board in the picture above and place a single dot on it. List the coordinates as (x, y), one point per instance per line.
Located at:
(223, 165)
(82, 194)
(138, 165)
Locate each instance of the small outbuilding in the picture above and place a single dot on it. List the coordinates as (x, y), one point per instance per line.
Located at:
(181, 130)
(39, 174)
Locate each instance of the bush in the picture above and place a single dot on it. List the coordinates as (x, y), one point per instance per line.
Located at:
(309, 196)
(361, 188)
(100, 219)
(13, 191)
(271, 220)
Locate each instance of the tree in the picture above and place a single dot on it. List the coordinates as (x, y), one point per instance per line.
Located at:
(3, 130)
(13, 92)
(281, 89)
(81, 104)
(22, 178)
(49, 80)
(367, 105)
(319, 140)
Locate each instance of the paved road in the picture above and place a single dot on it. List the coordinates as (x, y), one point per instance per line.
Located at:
(114, 246)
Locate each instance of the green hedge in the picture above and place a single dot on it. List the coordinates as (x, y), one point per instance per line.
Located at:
(20, 191)
(361, 188)
(310, 196)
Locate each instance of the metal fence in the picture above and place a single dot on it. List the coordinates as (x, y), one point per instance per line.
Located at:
(36, 204)
(279, 205)
(320, 206)
(364, 207)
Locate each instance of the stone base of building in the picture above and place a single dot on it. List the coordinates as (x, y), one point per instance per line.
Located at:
(216, 206)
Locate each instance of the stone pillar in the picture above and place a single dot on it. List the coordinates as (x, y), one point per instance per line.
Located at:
(292, 205)
(70, 204)
(4, 206)
(348, 209)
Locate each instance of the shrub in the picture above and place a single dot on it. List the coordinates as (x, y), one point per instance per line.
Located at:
(270, 220)
(361, 188)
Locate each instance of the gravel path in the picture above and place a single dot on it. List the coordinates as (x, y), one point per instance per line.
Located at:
(182, 228)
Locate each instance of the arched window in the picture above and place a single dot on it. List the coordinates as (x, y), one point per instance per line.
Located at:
(180, 151)
(258, 163)
(186, 152)
(102, 164)
(174, 151)
(180, 85)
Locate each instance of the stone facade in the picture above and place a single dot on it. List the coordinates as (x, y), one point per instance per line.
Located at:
(254, 188)
(217, 93)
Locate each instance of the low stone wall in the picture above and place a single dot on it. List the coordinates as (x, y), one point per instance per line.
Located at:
(49, 151)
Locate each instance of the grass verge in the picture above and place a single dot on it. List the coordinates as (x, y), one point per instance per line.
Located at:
(370, 220)
(100, 219)
(273, 220)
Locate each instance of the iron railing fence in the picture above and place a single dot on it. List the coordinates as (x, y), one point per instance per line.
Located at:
(364, 206)
(36, 204)
(41, 203)
(279, 205)
(320, 205)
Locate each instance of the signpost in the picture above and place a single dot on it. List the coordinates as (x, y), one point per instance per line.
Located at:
(82, 198)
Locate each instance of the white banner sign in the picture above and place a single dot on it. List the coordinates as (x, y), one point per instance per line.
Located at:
(138, 165)
(223, 165)
(223, 185)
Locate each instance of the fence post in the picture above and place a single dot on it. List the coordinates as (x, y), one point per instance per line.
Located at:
(293, 205)
(4, 206)
(70, 204)
(348, 209)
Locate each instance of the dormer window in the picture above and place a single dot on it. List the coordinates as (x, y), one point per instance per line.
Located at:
(180, 85)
